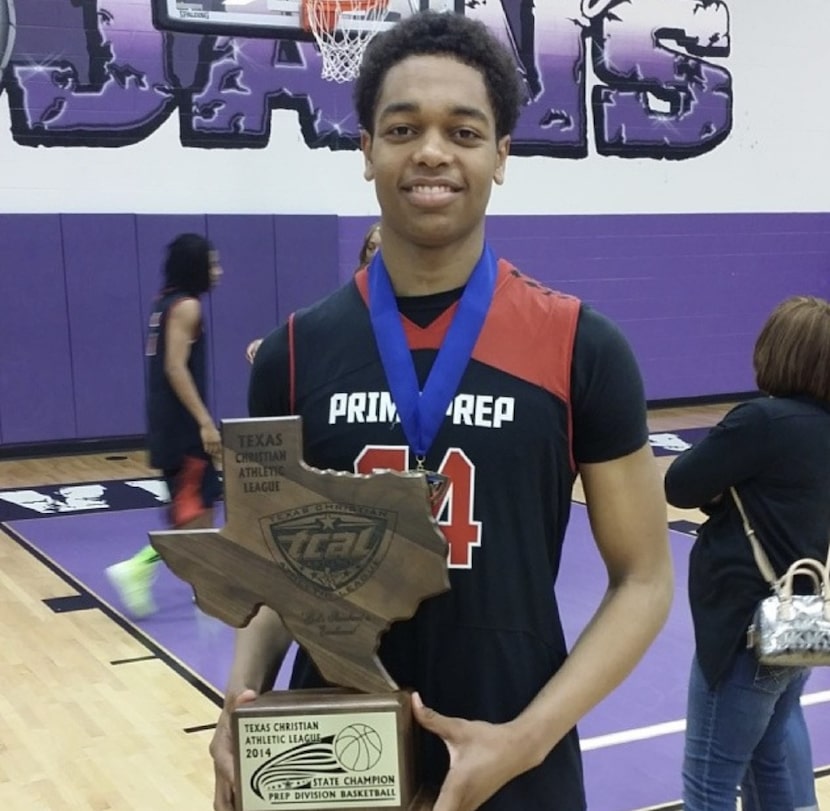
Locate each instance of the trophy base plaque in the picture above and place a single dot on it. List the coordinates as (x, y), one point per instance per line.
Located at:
(319, 750)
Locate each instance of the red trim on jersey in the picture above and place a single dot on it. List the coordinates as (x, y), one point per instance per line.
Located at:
(529, 333)
(292, 374)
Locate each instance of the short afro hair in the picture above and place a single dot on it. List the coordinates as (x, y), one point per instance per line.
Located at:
(431, 33)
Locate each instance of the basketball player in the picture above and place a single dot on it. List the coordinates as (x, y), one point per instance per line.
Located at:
(540, 388)
(182, 436)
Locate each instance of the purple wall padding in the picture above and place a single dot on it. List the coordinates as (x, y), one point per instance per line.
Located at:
(244, 305)
(689, 291)
(36, 384)
(104, 305)
(307, 260)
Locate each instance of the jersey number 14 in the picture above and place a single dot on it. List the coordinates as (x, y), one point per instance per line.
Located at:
(455, 513)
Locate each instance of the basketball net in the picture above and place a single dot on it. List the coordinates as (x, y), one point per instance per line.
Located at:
(342, 47)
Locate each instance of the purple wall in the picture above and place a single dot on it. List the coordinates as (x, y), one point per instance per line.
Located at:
(690, 292)
(37, 390)
(76, 293)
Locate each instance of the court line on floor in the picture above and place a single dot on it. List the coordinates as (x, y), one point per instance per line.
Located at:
(670, 727)
(157, 650)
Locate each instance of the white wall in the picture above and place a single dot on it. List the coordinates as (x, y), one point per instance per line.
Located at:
(773, 160)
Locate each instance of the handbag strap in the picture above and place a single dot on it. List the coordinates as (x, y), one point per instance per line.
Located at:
(761, 559)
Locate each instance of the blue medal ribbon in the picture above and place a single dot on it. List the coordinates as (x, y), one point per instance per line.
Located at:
(422, 412)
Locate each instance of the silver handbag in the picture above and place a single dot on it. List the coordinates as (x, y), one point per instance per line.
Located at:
(790, 629)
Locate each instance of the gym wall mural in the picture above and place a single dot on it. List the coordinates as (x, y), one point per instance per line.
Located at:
(639, 79)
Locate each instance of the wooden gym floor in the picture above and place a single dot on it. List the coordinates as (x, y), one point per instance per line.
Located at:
(91, 718)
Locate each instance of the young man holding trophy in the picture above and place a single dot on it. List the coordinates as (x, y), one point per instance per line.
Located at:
(441, 357)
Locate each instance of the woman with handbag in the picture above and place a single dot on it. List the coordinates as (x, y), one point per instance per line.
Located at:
(764, 469)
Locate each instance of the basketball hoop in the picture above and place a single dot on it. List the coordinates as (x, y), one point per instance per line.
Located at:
(342, 30)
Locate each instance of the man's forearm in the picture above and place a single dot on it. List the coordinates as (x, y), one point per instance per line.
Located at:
(626, 622)
(259, 649)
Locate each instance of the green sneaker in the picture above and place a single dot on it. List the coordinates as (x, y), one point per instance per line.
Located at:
(133, 580)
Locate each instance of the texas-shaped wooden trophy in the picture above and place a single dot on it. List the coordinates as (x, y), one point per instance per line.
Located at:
(340, 557)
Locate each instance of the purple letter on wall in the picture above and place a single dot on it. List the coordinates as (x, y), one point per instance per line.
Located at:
(92, 76)
(661, 100)
(100, 74)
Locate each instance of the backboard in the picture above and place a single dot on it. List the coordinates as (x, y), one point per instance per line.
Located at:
(276, 19)
(6, 32)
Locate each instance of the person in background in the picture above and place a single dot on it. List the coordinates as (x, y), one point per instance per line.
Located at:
(775, 452)
(530, 389)
(182, 437)
(371, 242)
(251, 349)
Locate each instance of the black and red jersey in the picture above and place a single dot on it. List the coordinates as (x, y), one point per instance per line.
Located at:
(551, 384)
(172, 432)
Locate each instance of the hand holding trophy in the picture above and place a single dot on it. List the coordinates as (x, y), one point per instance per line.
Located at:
(339, 557)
